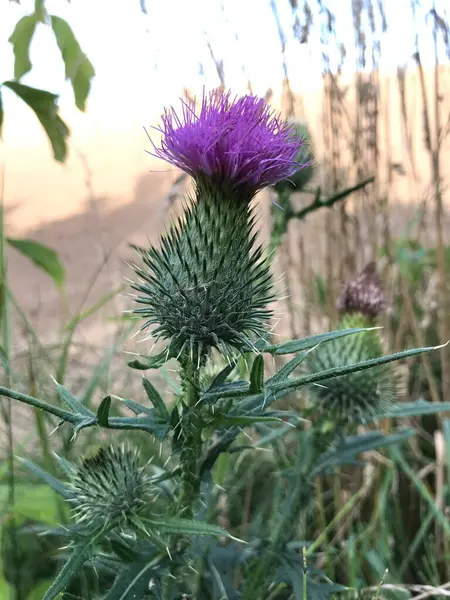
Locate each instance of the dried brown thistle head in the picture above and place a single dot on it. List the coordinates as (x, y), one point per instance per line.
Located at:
(364, 294)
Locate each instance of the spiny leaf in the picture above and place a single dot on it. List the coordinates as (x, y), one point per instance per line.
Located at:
(416, 409)
(131, 582)
(242, 421)
(347, 451)
(79, 69)
(305, 343)
(45, 108)
(21, 40)
(150, 362)
(80, 553)
(257, 375)
(187, 527)
(339, 371)
(103, 411)
(77, 406)
(43, 257)
(156, 399)
(49, 479)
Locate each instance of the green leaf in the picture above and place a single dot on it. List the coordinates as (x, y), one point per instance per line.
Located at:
(80, 554)
(33, 501)
(290, 366)
(21, 40)
(148, 424)
(131, 582)
(143, 363)
(345, 370)
(54, 483)
(346, 452)
(187, 527)
(77, 406)
(103, 411)
(309, 342)
(44, 105)
(257, 375)
(156, 399)
(79, 69)
(242, 421)
(221, 377)
(43, 257)
(415, 409)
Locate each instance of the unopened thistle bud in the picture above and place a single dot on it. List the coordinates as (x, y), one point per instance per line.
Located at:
(355, 397)
(208, 285)
(109, 488)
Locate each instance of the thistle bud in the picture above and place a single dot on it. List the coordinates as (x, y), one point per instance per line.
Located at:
(355, 397)
(109, 487)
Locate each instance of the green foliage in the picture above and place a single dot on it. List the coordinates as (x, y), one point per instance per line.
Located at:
(43, 257)
(45, 108)
(21, 40)
(79, 69)
(354, 397)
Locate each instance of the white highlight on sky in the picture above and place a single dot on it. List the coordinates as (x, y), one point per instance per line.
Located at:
(143, 61)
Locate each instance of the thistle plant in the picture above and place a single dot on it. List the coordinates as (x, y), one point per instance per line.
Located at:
(205, 290)
(355, 398)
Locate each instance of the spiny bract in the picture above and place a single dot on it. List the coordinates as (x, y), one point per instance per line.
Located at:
(208, 285)
(355, 397)
(109, 487)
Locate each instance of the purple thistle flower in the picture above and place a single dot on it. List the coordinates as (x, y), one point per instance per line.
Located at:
(239, 144)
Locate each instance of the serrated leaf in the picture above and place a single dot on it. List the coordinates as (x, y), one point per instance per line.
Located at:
(294, 346)
(156, 399)
(257, 375)
(221, 377)
(79, 69)
(290, 366)
(187, 527)
(136, 407)
(44, 105)
(415, 409)
(347, 451)
(80, 554)
(21, 40)
(103, 411)
(147, 424)
(43, 257)
(123, 550)
(54, 483)
(233, 389)
(345, 370)
(75, 404)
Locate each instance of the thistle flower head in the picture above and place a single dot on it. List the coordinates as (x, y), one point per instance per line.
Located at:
(238, 144)
(364, 294)
(109, 487)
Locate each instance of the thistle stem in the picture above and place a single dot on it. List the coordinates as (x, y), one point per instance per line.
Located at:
(191, 436)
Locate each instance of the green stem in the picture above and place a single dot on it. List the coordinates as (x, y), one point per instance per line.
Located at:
(191, 435)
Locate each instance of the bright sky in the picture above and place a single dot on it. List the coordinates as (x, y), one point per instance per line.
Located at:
(144, 60)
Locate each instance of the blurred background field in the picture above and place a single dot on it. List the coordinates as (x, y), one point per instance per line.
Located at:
(369, 78)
